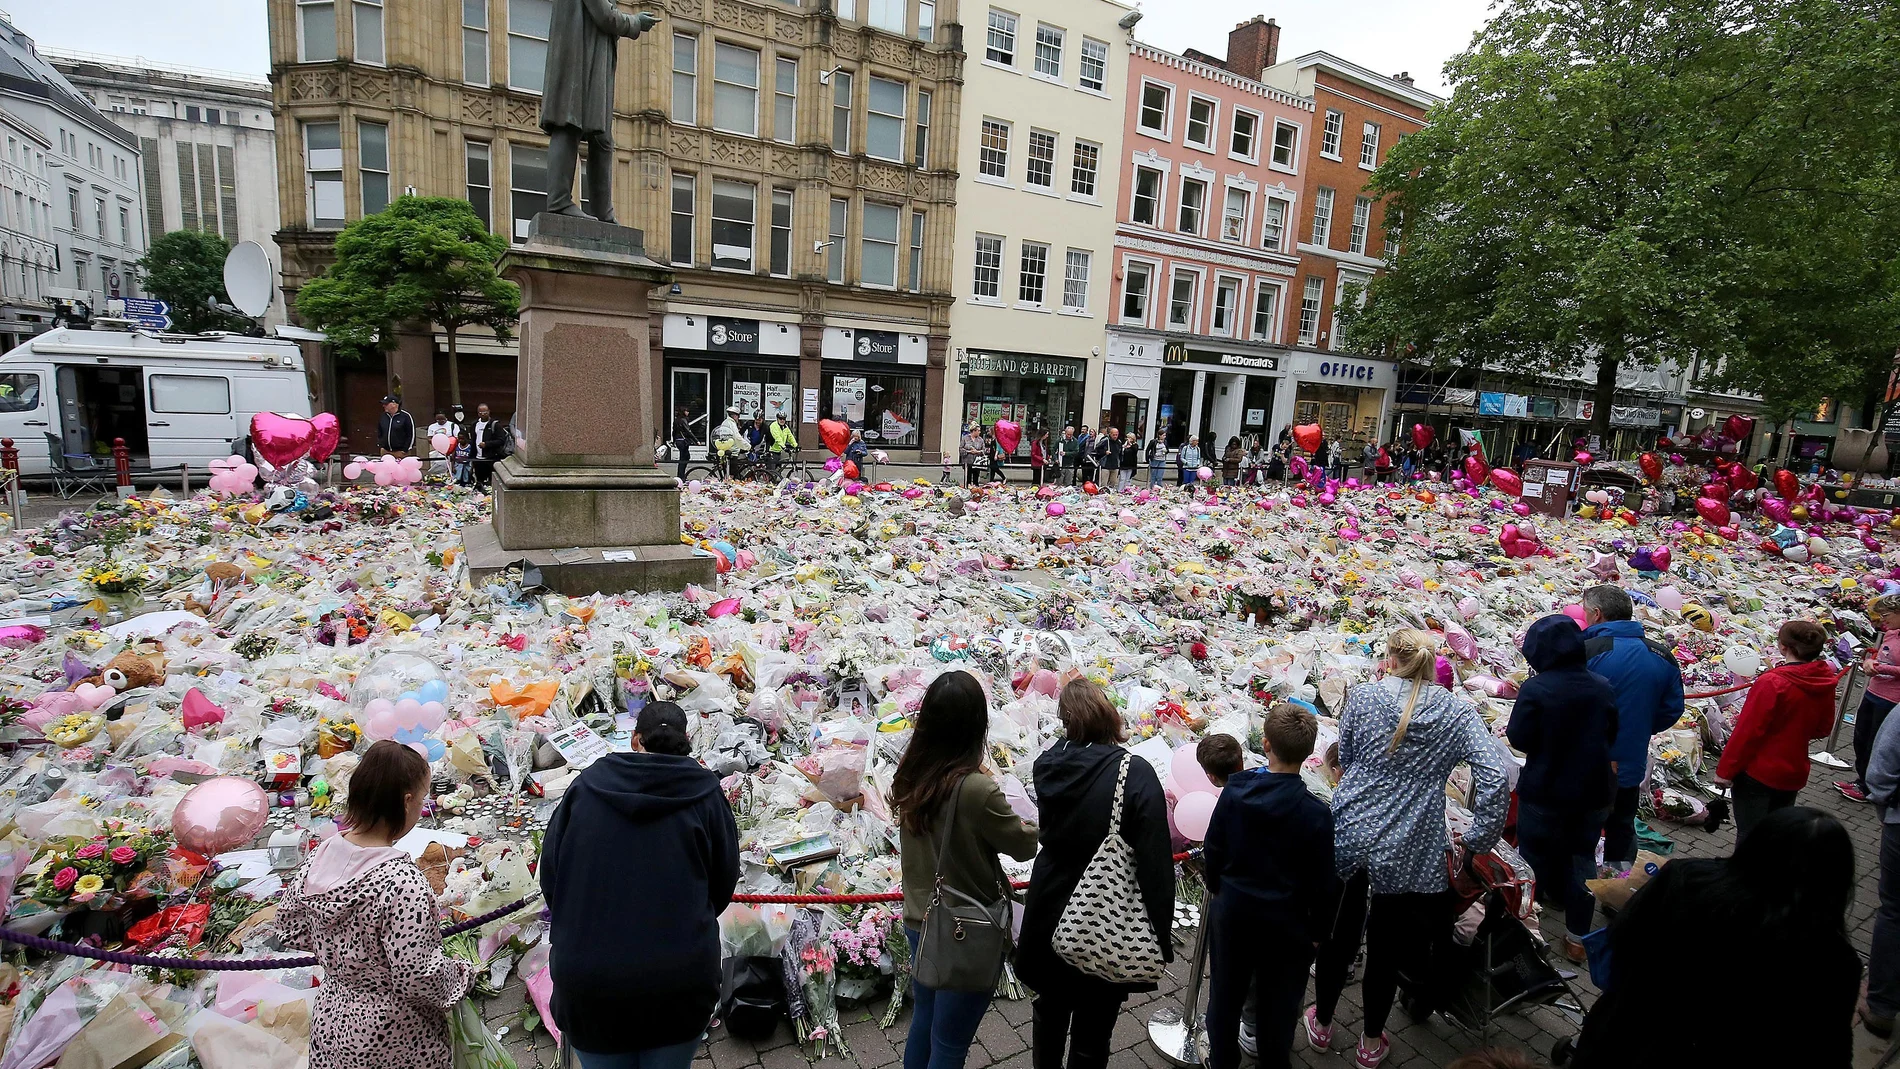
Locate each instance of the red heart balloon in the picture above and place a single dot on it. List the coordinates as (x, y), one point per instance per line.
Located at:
(835, 434)
(1475, 469)
(1712, 510)
(1660, 558)
(1308, 436)
(327, 432)
(1422, 435)
(1742, 478)
(850, 469)
(1787, 484)
(1009, 434)
(1090, 488)
(1717, 489)
(1507, 480)
(281, 439)
(1740, 428)
(198, 709)
(1651, 465)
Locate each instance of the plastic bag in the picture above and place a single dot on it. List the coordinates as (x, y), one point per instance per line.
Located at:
(469, 1040)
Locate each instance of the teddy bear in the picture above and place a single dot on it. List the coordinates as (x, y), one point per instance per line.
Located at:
(128, 671)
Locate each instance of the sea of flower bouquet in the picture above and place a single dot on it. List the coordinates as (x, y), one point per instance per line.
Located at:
(114, 577)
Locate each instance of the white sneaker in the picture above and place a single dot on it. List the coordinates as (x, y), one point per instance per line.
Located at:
(1248, 1044)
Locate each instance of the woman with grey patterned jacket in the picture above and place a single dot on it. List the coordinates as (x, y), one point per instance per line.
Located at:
(1400, 737)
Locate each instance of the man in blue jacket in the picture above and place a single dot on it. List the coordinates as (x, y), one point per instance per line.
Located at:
(1648, 685)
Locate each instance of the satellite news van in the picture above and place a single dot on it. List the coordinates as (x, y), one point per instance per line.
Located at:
(176, 399)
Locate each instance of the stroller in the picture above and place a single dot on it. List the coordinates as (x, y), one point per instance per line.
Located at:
(1506, 963)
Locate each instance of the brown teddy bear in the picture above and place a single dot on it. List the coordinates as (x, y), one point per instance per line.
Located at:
(129, 671)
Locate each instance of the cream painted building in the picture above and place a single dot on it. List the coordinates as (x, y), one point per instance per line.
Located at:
(1040, 151)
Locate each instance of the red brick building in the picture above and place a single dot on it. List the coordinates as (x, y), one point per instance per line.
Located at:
(1358, 117)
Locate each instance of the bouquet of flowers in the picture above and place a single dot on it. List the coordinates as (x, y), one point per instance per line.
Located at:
(811, 979)
(862, 963)
(102, 872)
(114, 578)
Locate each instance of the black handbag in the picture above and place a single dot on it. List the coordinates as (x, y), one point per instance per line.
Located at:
(964, 940)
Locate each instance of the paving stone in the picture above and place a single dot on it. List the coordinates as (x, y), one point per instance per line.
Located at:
(1000, 1038)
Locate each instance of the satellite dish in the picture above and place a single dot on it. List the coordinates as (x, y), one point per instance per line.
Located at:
(247, 278)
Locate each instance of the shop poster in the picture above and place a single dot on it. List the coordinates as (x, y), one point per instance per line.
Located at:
(847, 398)
(745, 398)
(778, 400)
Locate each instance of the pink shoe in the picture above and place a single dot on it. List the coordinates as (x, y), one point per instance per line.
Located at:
(1370, 1057)
(1319, 1035)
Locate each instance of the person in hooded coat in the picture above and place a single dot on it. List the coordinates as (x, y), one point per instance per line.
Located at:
(369, 914)
(638, 862)
(1766, 759)
(1075, 786)
(1563, 722)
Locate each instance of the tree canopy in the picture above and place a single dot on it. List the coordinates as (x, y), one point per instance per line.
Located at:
(1627, 182)
(185, 269)
(420, 260)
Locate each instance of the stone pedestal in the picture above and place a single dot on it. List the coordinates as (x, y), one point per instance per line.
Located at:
(582, 499)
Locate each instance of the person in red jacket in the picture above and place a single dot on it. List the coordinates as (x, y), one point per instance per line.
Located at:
(1766, 759)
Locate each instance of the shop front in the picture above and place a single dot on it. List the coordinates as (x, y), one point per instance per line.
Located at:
(874, 380)
(1039, 392)
(1214, 396)
(715, 361)
(1346, 395)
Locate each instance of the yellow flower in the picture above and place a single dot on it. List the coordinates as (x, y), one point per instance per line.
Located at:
(88, 885)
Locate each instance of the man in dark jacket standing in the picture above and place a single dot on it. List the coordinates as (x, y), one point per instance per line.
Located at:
(1563, 722)
(1272, 893)
(1648, 685)
(396, 429)
(638, 862)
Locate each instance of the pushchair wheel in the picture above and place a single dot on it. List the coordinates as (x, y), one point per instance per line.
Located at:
(1561, 1051)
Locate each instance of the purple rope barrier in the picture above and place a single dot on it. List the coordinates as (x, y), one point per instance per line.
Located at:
(118, 957)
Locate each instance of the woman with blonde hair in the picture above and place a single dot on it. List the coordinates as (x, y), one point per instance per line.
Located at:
(1400, 737)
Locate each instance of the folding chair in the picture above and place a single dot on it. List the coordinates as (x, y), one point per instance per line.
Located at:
(76, 473)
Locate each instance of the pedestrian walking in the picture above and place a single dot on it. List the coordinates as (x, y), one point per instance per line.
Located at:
(1882, 665)
(1269, 872)
(993, 449)
(369, 914)
(1368, 460)
(970, 451)
(1076, 787)
(682, 440)
(395, 429)
(1776, 909)
(1399, 739)
(1563, 722)
(953, 821)
(635, 987)
(1648, 686)
(1765, 761)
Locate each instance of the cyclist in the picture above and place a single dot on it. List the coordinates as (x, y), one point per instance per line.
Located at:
(784, 444)
(727, 441)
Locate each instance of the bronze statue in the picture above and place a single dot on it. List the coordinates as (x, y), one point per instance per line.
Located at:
(577, 100)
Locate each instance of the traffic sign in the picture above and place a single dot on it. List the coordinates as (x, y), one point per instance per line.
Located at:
(149, 322)
(145, 306)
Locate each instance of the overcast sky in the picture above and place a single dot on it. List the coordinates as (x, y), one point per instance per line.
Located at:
(1386, 35)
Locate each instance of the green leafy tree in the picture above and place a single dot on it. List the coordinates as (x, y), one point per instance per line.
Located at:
(185, 269)
(1617, 184)
(422, 259)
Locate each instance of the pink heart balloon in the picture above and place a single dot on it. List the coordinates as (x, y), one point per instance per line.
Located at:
(326, 433)
(219, 815)
(281, 439)
(1008, 433)
(198, 709)
(94, 695)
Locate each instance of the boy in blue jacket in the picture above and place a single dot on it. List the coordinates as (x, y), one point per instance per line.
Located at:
(1271, 888)
(1648, 685)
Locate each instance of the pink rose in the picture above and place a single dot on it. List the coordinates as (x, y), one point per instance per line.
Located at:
(65, 878)
(124, 855)
(90, 851)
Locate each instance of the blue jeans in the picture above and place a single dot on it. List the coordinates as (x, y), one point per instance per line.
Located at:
(677, 1056)
(942, 1023)
(1561, 846)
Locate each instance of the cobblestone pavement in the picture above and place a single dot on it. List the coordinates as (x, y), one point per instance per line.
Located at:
(1004, 1037)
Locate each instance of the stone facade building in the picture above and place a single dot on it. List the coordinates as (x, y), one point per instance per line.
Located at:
(796, 163)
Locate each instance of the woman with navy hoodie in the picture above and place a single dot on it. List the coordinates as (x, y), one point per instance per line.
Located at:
(637, 864)
(1766, 758)
(1563, 723)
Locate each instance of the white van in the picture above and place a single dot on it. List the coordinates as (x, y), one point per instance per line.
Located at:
(176, 399)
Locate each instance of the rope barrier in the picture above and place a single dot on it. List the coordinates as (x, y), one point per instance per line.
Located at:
(117, 957)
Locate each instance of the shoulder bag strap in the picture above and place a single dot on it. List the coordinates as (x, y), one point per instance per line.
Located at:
(1115, 808)
(949, 816)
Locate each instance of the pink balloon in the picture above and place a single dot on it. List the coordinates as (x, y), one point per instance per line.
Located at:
(325, 433)
(1186, 772)
(1205, 473)
(352, 470)
(198, 709)
(434, 713)
(384, 478)
(1191, 815)
(281, 439)
(1575, 612)
(1055, 508)
(1009, 434)
(408, 714)
(442, 443)
(1521, 509)
(219, 815)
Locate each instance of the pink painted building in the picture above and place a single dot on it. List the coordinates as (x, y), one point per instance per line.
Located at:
(1206, 259)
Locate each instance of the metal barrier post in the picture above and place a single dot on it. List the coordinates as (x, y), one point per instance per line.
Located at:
(122, 462)
(1855, 685)
(1178, 1032)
